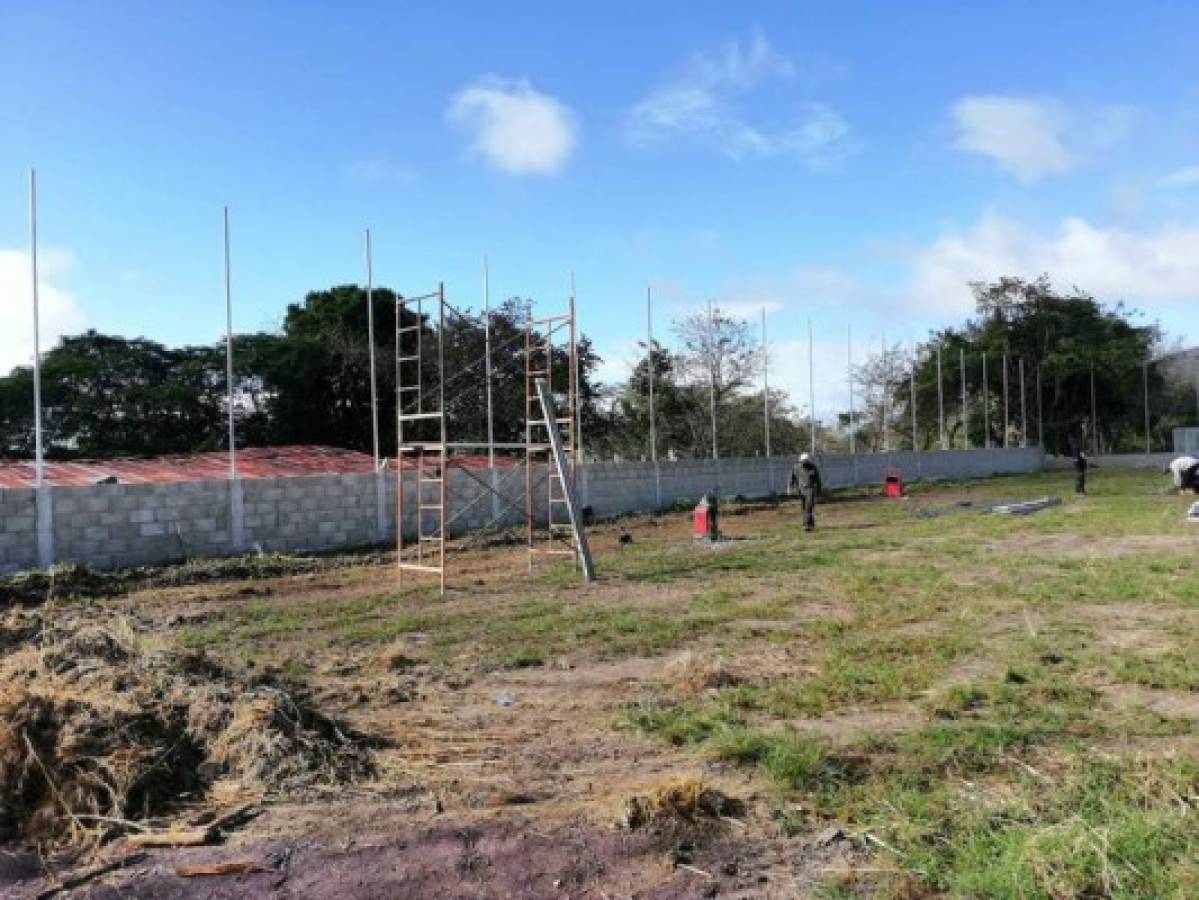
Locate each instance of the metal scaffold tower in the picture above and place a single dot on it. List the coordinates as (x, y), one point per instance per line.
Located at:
(427, 455)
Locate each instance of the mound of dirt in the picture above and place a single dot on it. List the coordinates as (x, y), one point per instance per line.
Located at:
(96, 727)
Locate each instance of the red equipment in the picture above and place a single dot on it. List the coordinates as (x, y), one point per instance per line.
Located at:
(892, 482)
(705, 524)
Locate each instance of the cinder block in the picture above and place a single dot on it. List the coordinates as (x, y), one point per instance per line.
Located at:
(153, 529)
(19, 523)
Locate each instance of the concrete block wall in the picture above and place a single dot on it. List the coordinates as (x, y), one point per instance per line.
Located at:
(114, 525)
(1156, 461)
(18, 529)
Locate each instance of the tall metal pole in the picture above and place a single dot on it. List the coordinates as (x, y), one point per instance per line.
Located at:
(1145, 380)
(849, 372)
(1040, 412)
(913, 387)
(229, 352)
(487, 360)
(886, 390)
(370, 330)
(765, 384)
(39, 460)
(986, 406)
(653, 425)
(941, 403)
(811, 390)
(712, 376)
(574, 375)
(1023, 408)
(649, 365)
(1094, 416)
(1005, 402)
(965, 406)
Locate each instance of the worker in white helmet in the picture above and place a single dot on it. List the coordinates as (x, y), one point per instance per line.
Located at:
(805, 481)
(1185, 471)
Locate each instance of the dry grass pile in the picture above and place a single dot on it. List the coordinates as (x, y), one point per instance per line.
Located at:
(678, 802)
(96, 728)
(693, 673)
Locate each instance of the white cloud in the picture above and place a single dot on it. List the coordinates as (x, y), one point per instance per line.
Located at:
(1032, 138)
(1187, 177)
(703, 101)
(1111, 263)
(379, 171)
(514, 127)
(1024, 136)
(60, 313)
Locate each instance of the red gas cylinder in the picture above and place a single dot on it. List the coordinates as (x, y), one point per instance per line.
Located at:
(892, 482)
(704, 525)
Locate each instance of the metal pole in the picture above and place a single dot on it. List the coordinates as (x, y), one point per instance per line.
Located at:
(370, 329)
(1023, 408)
(965, 407)
(886, 389)
(1094, 416)
(913, 387)
(653, 426)
(229, 352)
(986, 406)
(811, 390)
(849, 370)
(487, 360)
(1148, 437)
(39, 460)
(577, 414)
(941, 403)
(765, 384)
(712, 375)
(1005, 402)
(1040, 416)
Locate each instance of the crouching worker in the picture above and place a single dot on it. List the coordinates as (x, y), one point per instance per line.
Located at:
(805, 481)
(1185, 471)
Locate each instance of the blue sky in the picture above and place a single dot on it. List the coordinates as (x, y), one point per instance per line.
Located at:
(849, 162)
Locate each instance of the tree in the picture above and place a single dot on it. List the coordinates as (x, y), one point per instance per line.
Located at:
(720, 357)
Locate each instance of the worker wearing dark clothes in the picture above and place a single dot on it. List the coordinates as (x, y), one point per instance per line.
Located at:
(805, 481)
(1080, 472)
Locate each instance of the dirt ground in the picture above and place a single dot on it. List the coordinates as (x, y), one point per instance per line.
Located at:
(503, 761)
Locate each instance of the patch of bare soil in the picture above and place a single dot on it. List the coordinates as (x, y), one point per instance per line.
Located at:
(1141, 627)
(492, 860)
(1174, 704)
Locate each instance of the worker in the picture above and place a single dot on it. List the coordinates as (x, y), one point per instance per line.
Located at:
(805, 481)
(1080, 472)
(1185, 470)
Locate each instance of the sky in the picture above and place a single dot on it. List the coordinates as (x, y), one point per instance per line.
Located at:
(854, 164)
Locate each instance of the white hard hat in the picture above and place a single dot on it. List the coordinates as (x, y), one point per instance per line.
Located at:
(803, 457)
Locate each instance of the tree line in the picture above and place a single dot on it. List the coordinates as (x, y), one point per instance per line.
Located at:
(309, 383)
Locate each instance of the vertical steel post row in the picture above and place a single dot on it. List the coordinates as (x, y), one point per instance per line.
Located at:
(39, 463)
(229, 353)
(913, 390)
(370, 332)
(712, 379)
(1023, 407)
(811, 390)
(965, 405)
(1040, 412)
(653, 428)
(487, 361)
(1094, 416)
(444, 470)
(986, 406)
(765, 387)
(1006, 427)
(849, 373)
(1148, 437)
(399, 443)
(941, 403)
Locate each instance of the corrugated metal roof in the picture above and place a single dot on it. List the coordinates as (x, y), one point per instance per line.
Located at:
(252, 462)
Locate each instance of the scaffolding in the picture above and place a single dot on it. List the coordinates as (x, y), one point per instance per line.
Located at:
(425, 446)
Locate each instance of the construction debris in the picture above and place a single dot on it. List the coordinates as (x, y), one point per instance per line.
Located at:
(1024, 507)
(100, 735)
(235, 867)
(678, 802)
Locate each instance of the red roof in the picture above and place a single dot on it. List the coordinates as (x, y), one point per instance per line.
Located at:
(252, 462)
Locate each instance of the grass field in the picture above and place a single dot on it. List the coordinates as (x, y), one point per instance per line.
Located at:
(984, 705)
